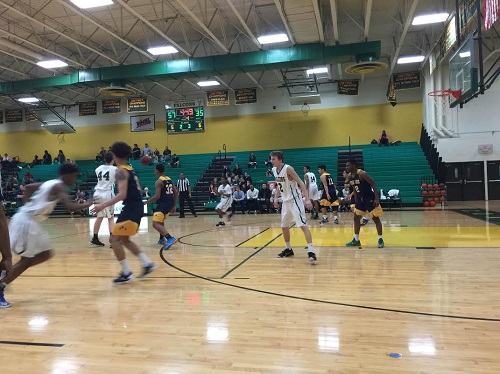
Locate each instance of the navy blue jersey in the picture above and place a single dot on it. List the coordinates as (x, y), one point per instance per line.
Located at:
(133, 193)
(167, 191)
(361, 187)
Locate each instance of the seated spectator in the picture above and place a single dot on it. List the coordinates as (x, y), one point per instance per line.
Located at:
(225, 170)
(100, 155)
(156, 155)
(167, 154)
(236, 180)
(212, 189)
(145, 193)
(248, 178)
(175, 162)
(70, 161)
(243, 185)
(136, 152)
(237, 170)
(229, 179)
(264, 198)
(60, 157)
(80, 196)
(252, 161)
(252, 198)
(20, 195)
(36, 161)
(6, 157)
(6, 162)
(384, 139)
(238, 199)
(47, 158)
(269, 164)
(146, 151)
(28, 177)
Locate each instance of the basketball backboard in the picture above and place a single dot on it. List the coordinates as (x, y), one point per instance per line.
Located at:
(463, 72)
(58, 128)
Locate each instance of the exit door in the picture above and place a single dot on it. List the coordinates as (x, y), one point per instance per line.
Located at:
(465, 181)
(494, 180)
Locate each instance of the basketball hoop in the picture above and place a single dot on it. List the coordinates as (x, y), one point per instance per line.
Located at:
(305, 109)
(442, 100)
(60, 138)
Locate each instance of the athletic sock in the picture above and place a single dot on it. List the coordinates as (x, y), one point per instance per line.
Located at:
(380, 237)
(144, 259)
(161, 237)
(125, 268)
(325, 217)
(168, 236)
(356, 237)
(310, 247)
(335, 217)
(95, 236)
(288, 245)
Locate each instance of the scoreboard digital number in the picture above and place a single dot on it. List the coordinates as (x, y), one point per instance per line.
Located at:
(189, 119)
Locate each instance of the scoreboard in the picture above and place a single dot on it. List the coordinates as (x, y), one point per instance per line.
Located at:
(188, 119)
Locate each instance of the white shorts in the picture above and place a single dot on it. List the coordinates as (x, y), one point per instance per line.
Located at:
(293, 211)
(103, 197)
(224, 204)
(314, 193)
(27, 238)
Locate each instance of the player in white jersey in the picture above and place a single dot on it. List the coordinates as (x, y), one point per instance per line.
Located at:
(312, 189)
(289, 187)
(226, 201)
(103, 192)
(27, 237)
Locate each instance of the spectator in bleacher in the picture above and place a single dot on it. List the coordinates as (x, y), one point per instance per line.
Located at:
(268, 163)
(6, 162)
(20, 195)
(167, 154)
(212, 189)
(248, 178)
(238, 200)
(252, 161)
(147, 151)
(175, 162)
(145, 193)
(384, 139)
(136, 152)
(252, 198)
(236, 180)
(243, 184)
(264, 198)
(28, 177)
(225, 170)
(11, 185)
(80, 196)
(47, 158)
(156, 155)
(61, 157)
(229, 179)
(36, 161)
(100, 156)
(237, 170)
(6, 157)
(70, 161)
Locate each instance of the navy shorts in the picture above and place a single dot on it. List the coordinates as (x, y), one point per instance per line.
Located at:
(131, 212)
(164, 208)
(365, 203)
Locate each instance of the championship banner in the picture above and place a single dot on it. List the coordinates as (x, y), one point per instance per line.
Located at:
(391, 93)
(403, 81)
(88, 108)
(245, 96)
(217, 97)
(142, 123)
(348, 87)
(490, 13)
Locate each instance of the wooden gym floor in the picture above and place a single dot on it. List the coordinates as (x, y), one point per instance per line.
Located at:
(221, 302)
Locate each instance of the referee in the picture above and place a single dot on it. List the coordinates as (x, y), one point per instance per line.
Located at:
(184, 194)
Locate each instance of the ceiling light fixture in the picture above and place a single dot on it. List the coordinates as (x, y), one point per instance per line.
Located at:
(410, 59)
(208, 83)
(28, 100)
(430, 18)
(321, 70)
(87, 4)
(274, 38)
(162, 50)
(51, 64)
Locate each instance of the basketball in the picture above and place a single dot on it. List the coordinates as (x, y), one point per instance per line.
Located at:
(430, 199)
(430, 192)
(424, 193)
(443, 192)
(442, 198)
(436, 199)
(441, 185)
(436, 186)
(433, 203)
(424, 185)
(145, 160)
(426, 203)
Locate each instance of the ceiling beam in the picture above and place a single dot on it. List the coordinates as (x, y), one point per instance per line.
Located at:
(319, 22)
(202, 25)
(132, 11)
(409, 19)
(18, 12)
(103, 27)
(368, 16)
(13, 70)
(283, 19)
(255, 81)
(335, 21)
(244, 24)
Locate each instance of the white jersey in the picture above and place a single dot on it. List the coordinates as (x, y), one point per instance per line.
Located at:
(225, 190)
(312, 179)
(289, 190)
(39, 206)
(105, 178)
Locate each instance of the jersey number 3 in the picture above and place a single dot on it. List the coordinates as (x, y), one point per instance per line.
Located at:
(100, 176)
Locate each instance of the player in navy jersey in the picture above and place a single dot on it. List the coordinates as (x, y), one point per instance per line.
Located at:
(329, 195)
(366, 194)
(127, 224)
(166, 198)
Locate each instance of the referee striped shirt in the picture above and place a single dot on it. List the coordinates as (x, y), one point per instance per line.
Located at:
(183, 185)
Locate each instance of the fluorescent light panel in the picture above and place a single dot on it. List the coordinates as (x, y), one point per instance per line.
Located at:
(208, 83)
(430, 18)
(464, 54)
(162, 50)
(274, 38)
(87, 4)
(410, 59)
(52, 64)
(321, 70)
(28, 100)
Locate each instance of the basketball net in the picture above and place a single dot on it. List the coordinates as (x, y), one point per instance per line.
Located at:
(305, 109)
(442, 100)
(60, 138)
